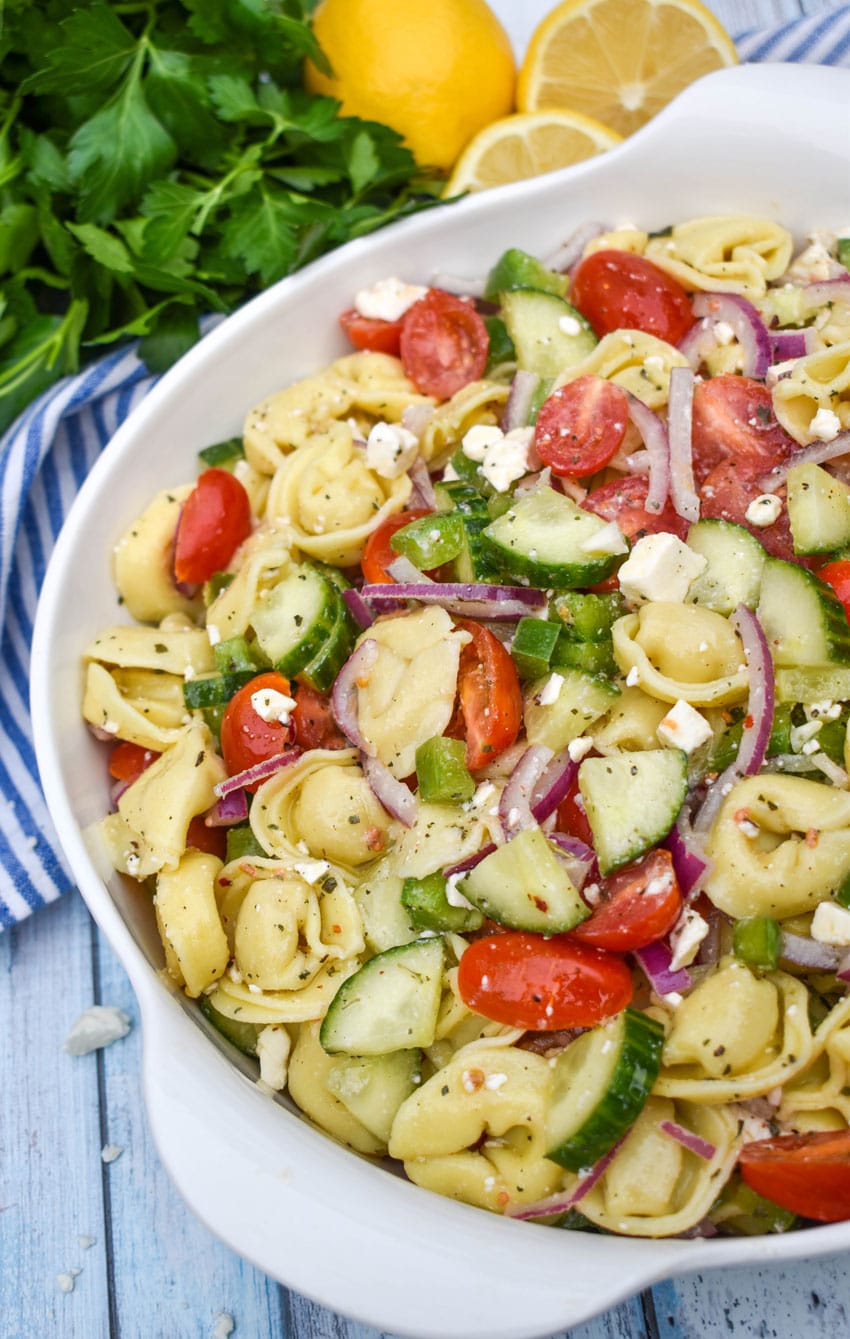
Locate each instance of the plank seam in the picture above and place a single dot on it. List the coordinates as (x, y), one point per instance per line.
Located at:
(106, 1191)
(647, 1302)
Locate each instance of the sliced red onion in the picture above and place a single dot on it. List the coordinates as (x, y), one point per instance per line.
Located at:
(572, 250)
(105, 736)
(830, 769)
(357, 667)
(690, 863)
(654, 435)
(500, 603)
(788, 344)
(469, 862)
(703, 1229)
(553, 786)
(655, 961)
(745, 320)
(461, 288)
(404, 572)
(357, 607)
(680, 407)
(692, 1142)
(578, 859)
(813, 454)
(565, 1200)
(638, 462)
(531, 482)
(826, 291)
(416, 417)
(261, 771)
(843, 970)
(393, 794)
(231, 808)
(708, 952)
(515, 800)
(117, 789)
(423, 494)
(698, 343)
(810, 953)
(518, 406)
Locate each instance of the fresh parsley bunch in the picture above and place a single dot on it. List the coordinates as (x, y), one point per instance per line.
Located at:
(159, 159)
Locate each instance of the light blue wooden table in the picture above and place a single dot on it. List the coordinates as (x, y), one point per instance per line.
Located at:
(147, 1268)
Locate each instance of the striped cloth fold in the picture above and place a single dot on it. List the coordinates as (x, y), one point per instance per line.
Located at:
(44, 458)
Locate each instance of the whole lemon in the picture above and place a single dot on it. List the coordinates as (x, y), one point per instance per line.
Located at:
(437, 71)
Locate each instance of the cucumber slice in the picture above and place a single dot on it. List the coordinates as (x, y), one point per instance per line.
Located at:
(803, 621)
(523, 885)
(222, 455)
(294, 619)
(390, 1004)
(472, 563)
(386, 923)
(632, 801)
(242, 1035)
(373, 1087)
(600, 1085)
(587, 617)
(338, 645)
(429, 908)
(735, 563)
(540, 539)
(214, 690)
(818, 509)
(543, 345)
(813, 685)
(592, 657)
(517, 269)
(556, 713)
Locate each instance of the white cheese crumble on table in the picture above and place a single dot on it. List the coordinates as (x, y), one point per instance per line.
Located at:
(825, 425)
(271, 705)
(684, 727)
(390, 449)
(831, 924)
(273, 1047)
(610, 540)
(388, 299)
(764, 510)
(660, 567)
(111, 1153)
(685, 938)
(224, 1326)
(99, 1026)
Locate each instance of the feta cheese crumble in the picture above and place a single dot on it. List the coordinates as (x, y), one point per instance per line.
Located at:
(311, 870)
(273, 1047)
(660, 567)
(99, 1026)
(503, 457)
(609, 540)
(831, 924)
(685, 938)
(764, 510)
(825, 425)
(390, 449)
(388, 299)
(111, 1153)
(271, 705)
(684, 727)
(551, 690)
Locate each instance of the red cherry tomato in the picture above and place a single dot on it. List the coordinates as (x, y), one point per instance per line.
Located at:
(524, 980)
(212, 841)
(616, 290)
(623, 501)
(808, 1174)
(727, 492)
(379, 553)
(246, 739)
(572, 818)
(489, 711)
(313, 722)
(581, 426)
(444, 344)
(837, 575)
(368, 332)
(733, 419)
(642, 903)
(127, 761)
(215, 519)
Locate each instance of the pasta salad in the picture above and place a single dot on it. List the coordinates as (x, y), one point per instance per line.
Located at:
(481, 735)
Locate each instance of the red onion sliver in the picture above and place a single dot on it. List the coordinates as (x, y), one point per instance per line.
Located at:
(698, 343)
(518, 407)
(469, 862)
(654, 435)
(814, 454)
(745, 320)
(787, 344)
(393, 794)
(344, 695)
(416, 417)
(572, 250)
(578, 859)
(461, 288)
(553, 786)
(260, 772)
(843, 970)
(805, 952)
(231, 808)
(105, 736)
(564, 1200)
(690, 863)
(680, 404)
(117, 789)
(820, 294)
(404, 573)
(688, 1139)
(357, 607)
(655, 960)
(515, 800)
(423, 489)
(500, 603)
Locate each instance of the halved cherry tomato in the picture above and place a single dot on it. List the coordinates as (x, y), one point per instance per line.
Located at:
(837, 575)
(214, 520)
(379, 553)
(212, 841)
(727, 492)
(368, 332)
(127, 761)
(616, 290)
(642, 903)
(581, 425)
(572, 818)
(313, 722)
(733, 419)
(524, 980)
(806, 1173)
(444, 344)
(489, 711)
(623, 500)
(246, 739)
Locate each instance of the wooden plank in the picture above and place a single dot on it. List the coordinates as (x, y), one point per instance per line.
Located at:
(50, 1167)
(810, 1300)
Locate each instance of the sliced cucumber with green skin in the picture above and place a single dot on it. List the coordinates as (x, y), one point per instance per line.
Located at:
(540, 539)
(818, 509)
(592, 657)
(632, 800)
(517, 269)
(815, 684)
(600, 1085)
(500, 348)
(543, 344)
(294, 619)
(431, 540)
(472, 563)
(735, 563)
(803, 620)
(523, 885)
(324, 667)
(214, 690)
(222, 455)
(242, 1035)
(429, 908)
(373, 1087)
(390, 1004)
(557, 712)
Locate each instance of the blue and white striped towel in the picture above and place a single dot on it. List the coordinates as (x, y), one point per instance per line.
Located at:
(43, 460)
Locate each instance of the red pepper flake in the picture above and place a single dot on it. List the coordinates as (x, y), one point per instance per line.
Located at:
(375, 839)
(540, 904)
(741, 815)
(337, 929)
(503, 1198)
(748, 722)
(812, 837)
(473, 1079)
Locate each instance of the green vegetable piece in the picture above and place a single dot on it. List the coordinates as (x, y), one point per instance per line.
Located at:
(214, 690)
(236, 654)
(241, 842)
(517, 269)
(532, 646)
(223, 455)
(469, 472)
(741, 1212)
(541, 393)
(242, 1035)
(442, 772)
(831, 738)
(218, 582)
(591, 657)
(501, 347)
(757, 941)
(843, 252)
(428, 907)
(431, 540)
(588, 618)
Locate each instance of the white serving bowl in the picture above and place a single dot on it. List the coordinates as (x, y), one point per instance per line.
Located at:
(763, 139)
